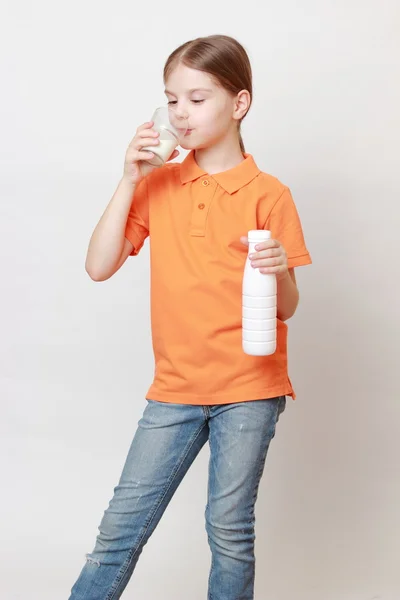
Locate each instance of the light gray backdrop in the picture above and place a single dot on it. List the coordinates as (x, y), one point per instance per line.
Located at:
(76, 360)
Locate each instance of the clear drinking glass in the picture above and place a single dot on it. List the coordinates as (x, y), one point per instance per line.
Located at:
(171, 129)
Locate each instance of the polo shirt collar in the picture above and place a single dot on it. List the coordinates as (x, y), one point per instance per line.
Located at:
(231, 180)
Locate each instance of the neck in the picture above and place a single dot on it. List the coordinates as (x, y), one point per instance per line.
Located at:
(225, 154)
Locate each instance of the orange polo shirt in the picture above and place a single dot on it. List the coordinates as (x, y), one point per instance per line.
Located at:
(194, 222)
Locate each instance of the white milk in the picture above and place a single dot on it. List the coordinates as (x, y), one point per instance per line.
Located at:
(162, 152)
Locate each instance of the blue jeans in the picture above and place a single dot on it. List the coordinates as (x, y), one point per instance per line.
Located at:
(168, 439)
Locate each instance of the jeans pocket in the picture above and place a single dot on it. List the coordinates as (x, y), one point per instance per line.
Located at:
(281, 406)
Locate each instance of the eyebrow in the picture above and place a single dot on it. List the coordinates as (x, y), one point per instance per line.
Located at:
(191, 91)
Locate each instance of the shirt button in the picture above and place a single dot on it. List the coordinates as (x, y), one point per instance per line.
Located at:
(205, 182)
(201, 206)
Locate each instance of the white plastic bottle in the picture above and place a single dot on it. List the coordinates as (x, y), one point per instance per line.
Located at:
(259, 304)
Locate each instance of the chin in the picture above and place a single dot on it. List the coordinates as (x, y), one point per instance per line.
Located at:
(186, 145)
(192, 145)
(194, 142)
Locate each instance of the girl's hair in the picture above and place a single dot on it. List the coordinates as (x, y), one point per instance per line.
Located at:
(221, 57)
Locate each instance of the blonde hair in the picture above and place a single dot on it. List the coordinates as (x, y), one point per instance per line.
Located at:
(220, 56)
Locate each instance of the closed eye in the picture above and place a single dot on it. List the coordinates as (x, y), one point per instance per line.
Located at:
(173, 102)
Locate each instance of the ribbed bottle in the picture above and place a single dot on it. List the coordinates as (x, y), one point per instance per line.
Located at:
(259, 306)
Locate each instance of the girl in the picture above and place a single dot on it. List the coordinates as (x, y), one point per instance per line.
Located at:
(205, 388)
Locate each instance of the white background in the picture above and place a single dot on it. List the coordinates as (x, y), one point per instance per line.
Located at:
(75, 356)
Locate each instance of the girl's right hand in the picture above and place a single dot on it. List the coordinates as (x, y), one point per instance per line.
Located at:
(135, 167)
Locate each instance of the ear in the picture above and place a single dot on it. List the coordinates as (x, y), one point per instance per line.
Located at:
(241, 105)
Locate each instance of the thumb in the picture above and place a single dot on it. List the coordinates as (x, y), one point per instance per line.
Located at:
(174, 155)
(244, 240)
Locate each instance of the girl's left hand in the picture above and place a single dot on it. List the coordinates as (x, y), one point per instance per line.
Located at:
(270, 257)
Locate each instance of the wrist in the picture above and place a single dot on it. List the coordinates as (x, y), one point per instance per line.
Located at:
(127, 183)
(283, 277)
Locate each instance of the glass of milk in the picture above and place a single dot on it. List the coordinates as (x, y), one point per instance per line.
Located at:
(171, 130)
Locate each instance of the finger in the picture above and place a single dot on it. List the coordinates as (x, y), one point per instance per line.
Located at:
(144, 155)
(147, 125)
(267, 244)
(244, 240)
(267, 262)
(273, 270)
(270, 253)
(148, 133)
(139, 144)
(174, 155)
(143, 134)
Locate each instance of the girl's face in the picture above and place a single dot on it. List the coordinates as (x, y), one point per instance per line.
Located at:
(211, 111)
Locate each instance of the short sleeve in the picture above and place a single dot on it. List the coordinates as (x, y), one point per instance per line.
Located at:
(285, 226)
(137, 225)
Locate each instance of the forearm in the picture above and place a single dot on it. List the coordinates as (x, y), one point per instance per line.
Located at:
(107, 241)
(288, 297)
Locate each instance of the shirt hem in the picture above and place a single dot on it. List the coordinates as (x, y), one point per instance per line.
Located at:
(299, 261)
(134, 239)
(225, 398)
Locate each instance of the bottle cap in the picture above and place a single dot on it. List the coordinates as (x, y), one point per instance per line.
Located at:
(258, 235)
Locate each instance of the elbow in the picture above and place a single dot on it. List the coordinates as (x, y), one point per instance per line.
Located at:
(285, 316)
(94, 274)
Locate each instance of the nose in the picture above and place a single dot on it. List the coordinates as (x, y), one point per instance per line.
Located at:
(180, 112)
